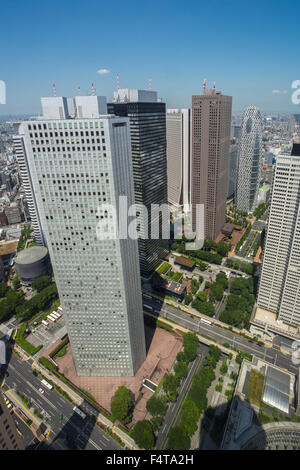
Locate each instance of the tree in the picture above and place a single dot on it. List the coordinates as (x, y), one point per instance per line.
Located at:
(156, 422)
(3, 289)
(181, 370)
(170, 385)
(202, 266)
(201, 296)
(181, 357)
(188, 298)
(156, 406)
(216, 292)
(16, 282)
(178, 439)
(189, 416)
(143, 435)
(224, 368)
(41, 282)
(121, 405)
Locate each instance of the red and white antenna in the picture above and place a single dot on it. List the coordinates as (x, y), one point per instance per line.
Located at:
(204, 85)
(118, 81)
(93, 90)
(79, 91)
(54, 89)
(150, 83)
(214, 85)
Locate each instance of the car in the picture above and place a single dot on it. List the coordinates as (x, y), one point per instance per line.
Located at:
(41, 390)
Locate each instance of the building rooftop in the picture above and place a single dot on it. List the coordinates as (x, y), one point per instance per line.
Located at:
(185, 262)
(31, 255)
(8, 248)
(173, 287)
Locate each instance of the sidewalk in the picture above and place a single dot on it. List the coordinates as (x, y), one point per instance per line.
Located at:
(17, 401)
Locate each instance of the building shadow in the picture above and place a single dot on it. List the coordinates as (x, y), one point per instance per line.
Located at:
(237, 425)
(74, 434)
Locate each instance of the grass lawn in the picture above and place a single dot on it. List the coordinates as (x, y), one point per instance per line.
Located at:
(255, 387)
(164, 268)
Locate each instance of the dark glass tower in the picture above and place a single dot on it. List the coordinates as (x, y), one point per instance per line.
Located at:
(148, 145)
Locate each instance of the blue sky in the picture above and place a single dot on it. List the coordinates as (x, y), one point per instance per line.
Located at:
(248, 48)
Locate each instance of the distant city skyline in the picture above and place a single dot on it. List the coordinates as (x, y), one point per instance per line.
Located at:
(250, 52)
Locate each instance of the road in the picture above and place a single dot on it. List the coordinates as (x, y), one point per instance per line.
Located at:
(83, 434)
(174, 407)
(272, 355)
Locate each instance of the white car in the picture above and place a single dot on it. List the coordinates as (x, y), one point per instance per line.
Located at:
(41, 390)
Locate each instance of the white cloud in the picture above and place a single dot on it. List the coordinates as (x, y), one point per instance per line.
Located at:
(103, 71)
(279, 92)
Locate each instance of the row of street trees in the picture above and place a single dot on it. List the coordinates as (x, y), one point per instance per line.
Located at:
(195, 403)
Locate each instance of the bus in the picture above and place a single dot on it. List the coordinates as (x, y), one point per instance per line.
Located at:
(45, 323)
(148, 307)
(55, 315)
(205, 321)
(44, 382)
(60, 310)
(51, 318)
(79, 412)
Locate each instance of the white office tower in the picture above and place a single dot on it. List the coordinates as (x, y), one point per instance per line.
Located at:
(279, 289)
(249, 160)
(28, 188)
(178, 124)
(78, 167)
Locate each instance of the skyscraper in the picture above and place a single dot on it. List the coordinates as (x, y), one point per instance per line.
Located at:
(178, 156)
(232, 171)
(9, 437)
(279, 288)
(211, 126)
(79, 167)
(249, 160)
(148, 144)
(28, 188)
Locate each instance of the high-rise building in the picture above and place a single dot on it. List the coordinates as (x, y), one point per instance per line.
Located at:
(211, 125)
(279, 288)
(178, 156)
(233, 164)
(79, 168)
(148, 147)
(9, 437)
(28, 187)
(250, 160)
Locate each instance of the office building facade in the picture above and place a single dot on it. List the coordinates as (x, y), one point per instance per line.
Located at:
(178, 156)
(147, 118)
(79, 167)
(279, 287)
(211, 126)
(250, 160)
(9, 437)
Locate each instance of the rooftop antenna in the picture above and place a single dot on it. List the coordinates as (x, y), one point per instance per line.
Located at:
(118, 81)
(150, 83)
(204, 85)
(93, 90)
(54, 89)
(79, 91)
(214, 85)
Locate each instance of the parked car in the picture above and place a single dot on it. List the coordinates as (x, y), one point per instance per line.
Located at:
(42, 391)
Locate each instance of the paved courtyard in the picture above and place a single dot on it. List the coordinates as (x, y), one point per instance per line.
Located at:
(162, 352)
